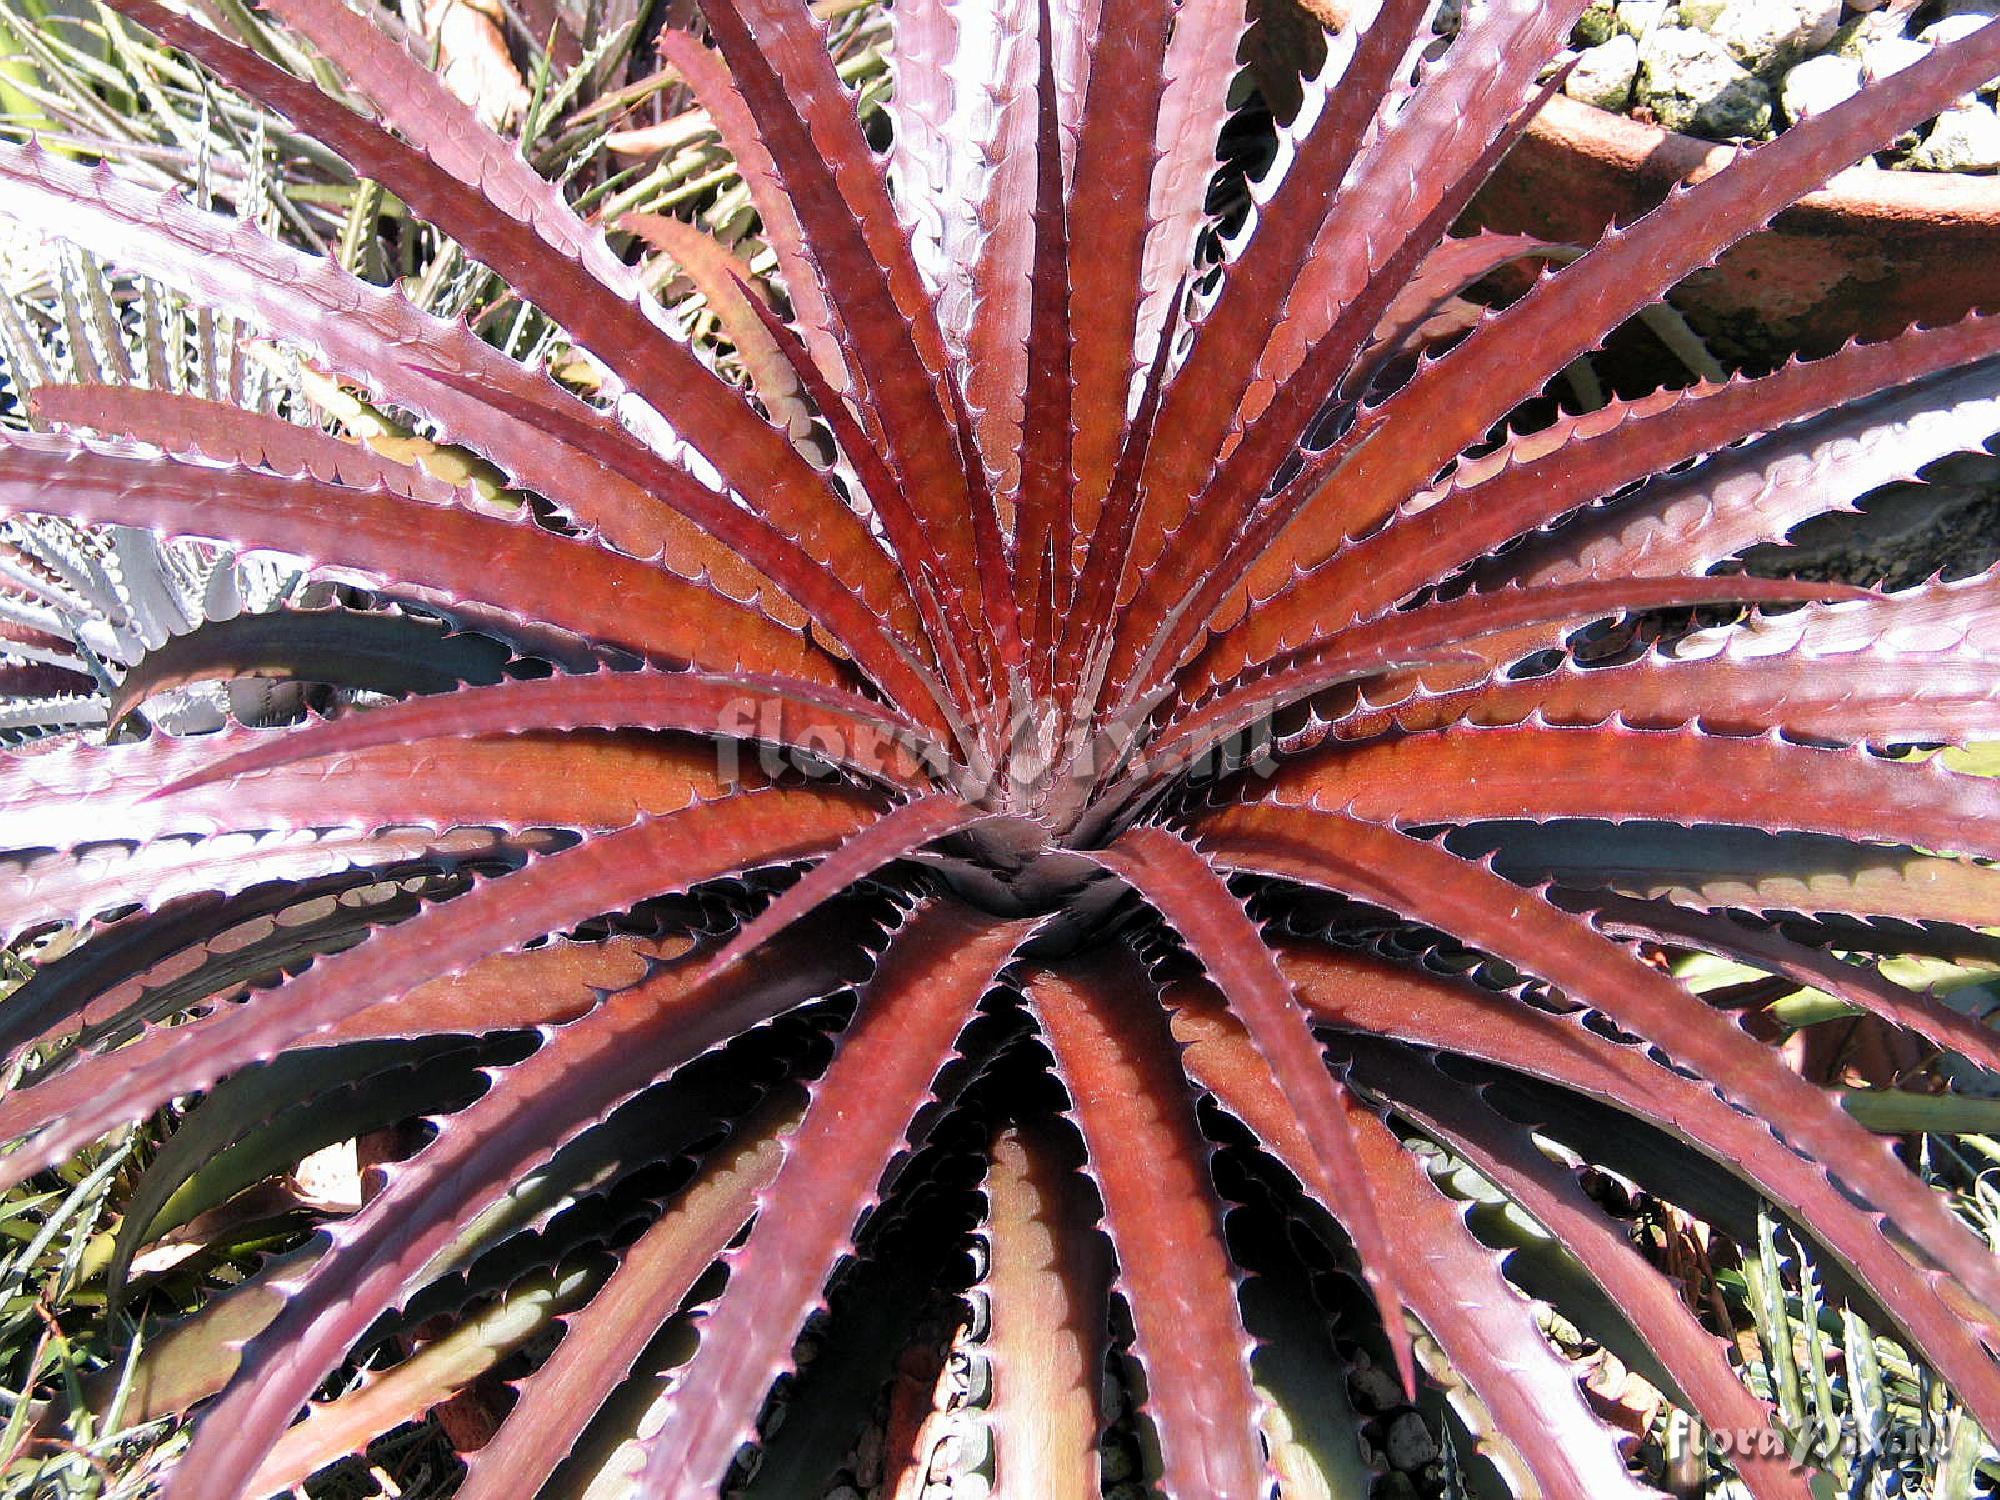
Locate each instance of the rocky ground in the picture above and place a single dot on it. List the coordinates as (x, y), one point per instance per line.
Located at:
(1744, 69)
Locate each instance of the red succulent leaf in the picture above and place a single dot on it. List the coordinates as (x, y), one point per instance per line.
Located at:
(1334, 850)
(1630, 267)
(1045, 1285)
(1453, 1284)
(837, 726)
(1677, 776)
(1117, 1062)
(1191, 894)
(367, 333)
(653, 857)
(1508, 1156)
(581, 1071)
(864, 1113)
(509, 563)
(229, 434)
(603, 1340)
(1455, 1016)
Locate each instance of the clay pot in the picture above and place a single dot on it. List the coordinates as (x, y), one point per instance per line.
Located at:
(1868, 255)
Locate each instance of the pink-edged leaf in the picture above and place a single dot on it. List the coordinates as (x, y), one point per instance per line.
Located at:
(1045, 1285)
(50, 889)
(723, 279)
(1227, 343)
(540, 265)
(1086, 632)
(1781, 672)
(1672, 775)
(491, 983)
(895, 835)
(1424, 882)
(773, 49)
(779, 60)
(602, 1342)
(1179, 883)
(1150, 1163)
(88, 794)
(865, 1112)
(1412, 173)
(1411, 177)
(1453, 1282)
(1110, 206)
(1194, 105)
(547, 985)
(962, 147)
(709, 81)
(165, 953)
(1871, 697)
(656, 856)
(1231, 529)
(1448, 405)
(365, 332)
(976, 213)
(582, 1071)
(1534, 480)
(1716, 868)
(848, 730)
(942, 128)
(1435, 630)
(1490, 1334)
(535, 987)
(1508, 1157)
(1360, 994)
(1766, 675)
(1044, 500)
(231, 435)
(1759, 493)
(818, 579)
(415, 101)
(871, 468)
(366, 534)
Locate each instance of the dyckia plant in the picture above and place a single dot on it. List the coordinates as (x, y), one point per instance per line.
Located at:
(1110, 686)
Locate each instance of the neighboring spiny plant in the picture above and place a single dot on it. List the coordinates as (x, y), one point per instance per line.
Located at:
(1117, 689)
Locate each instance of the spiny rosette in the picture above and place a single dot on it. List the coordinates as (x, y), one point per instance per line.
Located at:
(1139, 739)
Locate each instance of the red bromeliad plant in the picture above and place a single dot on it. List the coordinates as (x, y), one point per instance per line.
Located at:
(1177, 680)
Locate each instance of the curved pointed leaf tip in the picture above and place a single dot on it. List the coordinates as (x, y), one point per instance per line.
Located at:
(1016, 702)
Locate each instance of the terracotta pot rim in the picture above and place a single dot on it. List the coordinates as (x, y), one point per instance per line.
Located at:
(1660, 158)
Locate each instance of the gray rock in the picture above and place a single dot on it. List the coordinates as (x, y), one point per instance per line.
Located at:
(1817, 84)
(1953, 28)
(1604, 74)
(1691, 83)
(1408, 1442)
(1767, 35)
(1966, 139)
(1640, 17)
(1373, 1388)
(1889, 55)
